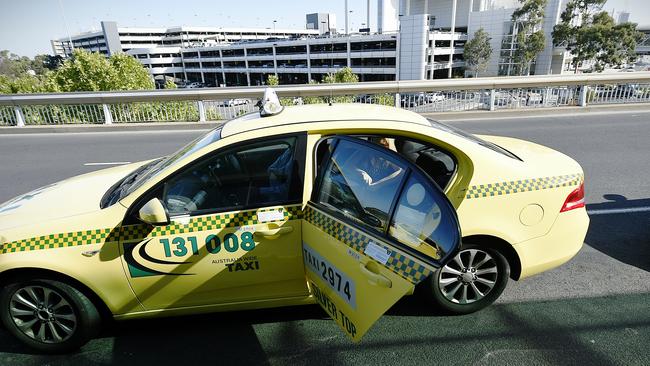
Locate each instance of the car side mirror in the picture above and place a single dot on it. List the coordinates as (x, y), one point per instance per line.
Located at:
(153, 213)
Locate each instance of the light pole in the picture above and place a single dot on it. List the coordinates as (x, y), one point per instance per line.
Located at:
(451, 43)
(66, 29)
(346, 17)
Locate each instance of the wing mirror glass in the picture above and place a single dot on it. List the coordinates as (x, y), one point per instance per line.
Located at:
(153, 213)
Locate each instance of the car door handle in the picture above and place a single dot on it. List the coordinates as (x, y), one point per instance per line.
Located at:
(374, 277)
(274, 233)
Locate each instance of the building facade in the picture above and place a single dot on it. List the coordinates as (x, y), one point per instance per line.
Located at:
(112, 39)
(416, 40)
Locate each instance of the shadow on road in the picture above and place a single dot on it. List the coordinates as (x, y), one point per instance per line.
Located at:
(622, 236)
(592, 331)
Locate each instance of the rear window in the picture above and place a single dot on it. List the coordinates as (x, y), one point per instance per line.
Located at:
(468, 136)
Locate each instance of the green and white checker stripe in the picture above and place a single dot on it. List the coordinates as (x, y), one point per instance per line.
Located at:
(397, 262)
(140, 231)
(60, 240)
(523, 185)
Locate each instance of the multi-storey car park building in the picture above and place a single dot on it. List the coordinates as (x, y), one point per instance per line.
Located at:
(416, 40)
(112, 39)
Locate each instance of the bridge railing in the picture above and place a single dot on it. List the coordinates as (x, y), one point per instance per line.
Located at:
(210, 104)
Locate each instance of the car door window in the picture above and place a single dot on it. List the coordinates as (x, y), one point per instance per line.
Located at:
(417, 221)
(360, 182)
(258, 174)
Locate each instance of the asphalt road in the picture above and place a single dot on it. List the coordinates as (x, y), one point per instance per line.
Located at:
(593, 310)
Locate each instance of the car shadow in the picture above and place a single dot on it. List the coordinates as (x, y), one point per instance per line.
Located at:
(624, 236)
(197, 339)
(218, 338)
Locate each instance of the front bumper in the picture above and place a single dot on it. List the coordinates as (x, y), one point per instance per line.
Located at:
(560, 244)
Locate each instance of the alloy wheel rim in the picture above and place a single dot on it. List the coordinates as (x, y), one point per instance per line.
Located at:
(42, 314)
(469, 277)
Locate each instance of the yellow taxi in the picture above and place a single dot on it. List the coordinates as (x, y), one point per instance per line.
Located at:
(348, 206)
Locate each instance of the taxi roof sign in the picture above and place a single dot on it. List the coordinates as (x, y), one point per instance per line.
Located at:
(270, 103)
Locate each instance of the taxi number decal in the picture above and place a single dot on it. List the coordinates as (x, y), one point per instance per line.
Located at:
(231, 243)
(332, 276)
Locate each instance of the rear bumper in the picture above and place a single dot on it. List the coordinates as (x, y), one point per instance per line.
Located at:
(560, 244)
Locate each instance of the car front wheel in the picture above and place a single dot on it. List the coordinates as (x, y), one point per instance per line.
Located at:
(49, 316)
(472, 280)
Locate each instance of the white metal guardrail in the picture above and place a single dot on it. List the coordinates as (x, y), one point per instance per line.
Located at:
(420, 96)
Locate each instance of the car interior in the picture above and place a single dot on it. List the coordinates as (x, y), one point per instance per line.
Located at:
(437, 163)
(262, 173)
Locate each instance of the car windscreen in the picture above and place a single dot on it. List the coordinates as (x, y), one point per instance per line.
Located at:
(468, 136)
(143, 174)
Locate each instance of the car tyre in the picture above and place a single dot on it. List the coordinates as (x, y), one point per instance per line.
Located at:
(47, 315)
(472, 280)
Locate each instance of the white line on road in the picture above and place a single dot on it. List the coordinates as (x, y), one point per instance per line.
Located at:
(618, 211)
(110, 163)
(457, 117)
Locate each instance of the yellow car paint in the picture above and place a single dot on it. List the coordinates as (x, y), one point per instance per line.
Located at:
(59, 228)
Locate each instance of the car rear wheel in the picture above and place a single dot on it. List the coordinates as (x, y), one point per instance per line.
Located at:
(49, 316)
(472, 280)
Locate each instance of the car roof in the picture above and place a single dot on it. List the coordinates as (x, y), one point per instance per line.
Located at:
(313, 113)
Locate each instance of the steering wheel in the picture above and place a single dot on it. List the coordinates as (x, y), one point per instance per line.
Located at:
(178, 204)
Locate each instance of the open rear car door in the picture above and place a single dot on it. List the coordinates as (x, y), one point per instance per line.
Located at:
(376, 226)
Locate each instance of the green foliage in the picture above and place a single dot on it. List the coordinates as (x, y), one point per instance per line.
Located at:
(27, 84)
(14, 66)
(592, 35)
(272, 80)
(129, 73)
(176, 111)
(385, 99)
(87, 71)
(5, 85)
(344, 75)
(478, 51)
(530, 37)
(169, 84)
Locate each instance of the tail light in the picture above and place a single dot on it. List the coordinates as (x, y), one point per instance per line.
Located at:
(575, 199)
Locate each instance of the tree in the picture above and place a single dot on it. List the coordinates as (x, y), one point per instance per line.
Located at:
(52, 62)
(170, 84)
(272, 80)
(87, 71)
(590, 34)
(527, 21)
(13, 65)
(5, 85)
(478, 51)
(129, 73)
(344, 75)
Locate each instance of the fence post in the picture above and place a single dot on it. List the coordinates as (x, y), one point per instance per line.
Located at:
(20, 118)
(547, 97)
(582, 102)
(493, 96)
(199, 103)
(398, 102)
(108, 117)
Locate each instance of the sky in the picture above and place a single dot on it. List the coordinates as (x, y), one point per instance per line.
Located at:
(27, 26)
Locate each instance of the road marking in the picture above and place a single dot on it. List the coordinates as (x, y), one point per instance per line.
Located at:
(110, 163)
(121, 132)
(618, 211)
(459, 118)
